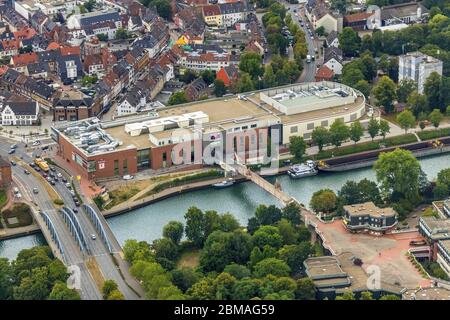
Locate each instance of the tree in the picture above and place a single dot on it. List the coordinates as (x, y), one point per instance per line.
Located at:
(269, 79)
(173, 230)
(340, 5)
(267, 215)
(385, 93)
(272, 266)
(351, 75)
(287, 232)
(164, 248)
(297, 147)
(432, 89)
(61, 292)
(447, 111)
(251, 63)
(291, 212)
(356, 131)
(245, 83)
(417, 103)
(219, 88)
(384, 128)
(436, 117)
(6, 279)
(440, 191)
(324, 200)
(33, 287)
(121, 34)
(364, 87)
(246, 289)
(373, 128)
(195, 226)
(348, 295)
(406, 120)
(306, 290)
(398, 173)
(162, 8)
(320, 31)
(237, 270)
(349, 41)
(202, 290)
(115, 295)
(102, 37)
(222, 248)
(228, 223)
(321, 136)
(267, 235)
(294, 255)
(178, 97)
(444, 177)
(134, 250)
(208, 76)
(405, 88)
(366, 295)
(108, 287)
(338, 132)
(185, 278)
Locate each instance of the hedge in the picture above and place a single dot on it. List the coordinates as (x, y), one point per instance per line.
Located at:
(433, 134)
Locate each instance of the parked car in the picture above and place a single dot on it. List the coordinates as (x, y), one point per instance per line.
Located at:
(13, 163)
(14, 146)
(35, 190)
(52, 182)
(64, 180)
(36, 143)
(75, 210)
(59, 175)
(68, 185)
(26, 171)
(128, 177)
(11, 151)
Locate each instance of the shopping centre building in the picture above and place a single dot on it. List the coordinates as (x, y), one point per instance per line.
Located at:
(183, 135)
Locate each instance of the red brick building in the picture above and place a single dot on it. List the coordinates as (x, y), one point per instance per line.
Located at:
(5, 173)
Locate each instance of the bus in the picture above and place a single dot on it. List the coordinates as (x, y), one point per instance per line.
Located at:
(41, 164)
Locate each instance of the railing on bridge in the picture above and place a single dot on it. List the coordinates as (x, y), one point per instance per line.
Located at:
(93, 215)
(71, 220)
(51, 227)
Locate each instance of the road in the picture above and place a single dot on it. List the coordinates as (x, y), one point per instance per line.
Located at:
(73, 254)
(26, 183)
(309, 69)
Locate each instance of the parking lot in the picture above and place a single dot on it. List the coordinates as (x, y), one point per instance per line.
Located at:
(387, 252)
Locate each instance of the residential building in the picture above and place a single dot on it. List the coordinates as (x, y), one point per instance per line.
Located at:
(410, 12)
(229, 75)
(443, 255)
(320, 15)
(324, 74)
(202, 57)
(79, 21)
(332, 39)
(69, 68)
(19, 113)
(367, 216)
(417, 66)
(72, 105)
(196, 89)
(332, 58)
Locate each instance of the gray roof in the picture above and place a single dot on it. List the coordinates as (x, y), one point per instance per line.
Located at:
(100, 17)
(332, 52)
(333, 35)
(23, 108)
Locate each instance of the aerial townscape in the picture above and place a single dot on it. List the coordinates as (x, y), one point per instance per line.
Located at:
(224, 150)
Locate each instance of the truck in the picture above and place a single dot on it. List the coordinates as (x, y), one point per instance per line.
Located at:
(41, 164)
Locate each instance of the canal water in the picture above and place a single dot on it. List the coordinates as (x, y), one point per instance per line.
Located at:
(241, 200)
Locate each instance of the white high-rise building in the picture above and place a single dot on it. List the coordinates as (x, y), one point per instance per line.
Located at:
(418, 67)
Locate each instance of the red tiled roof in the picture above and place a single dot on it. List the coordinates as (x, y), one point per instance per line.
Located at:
(11, 44)
(25, 59)
(211, 10)
(66, 51)
(324, 73)
(357, 17)
(25, 33)
(53, 46)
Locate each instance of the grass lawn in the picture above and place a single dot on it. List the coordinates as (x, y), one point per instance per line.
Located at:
(190, 259)
(17, 216)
